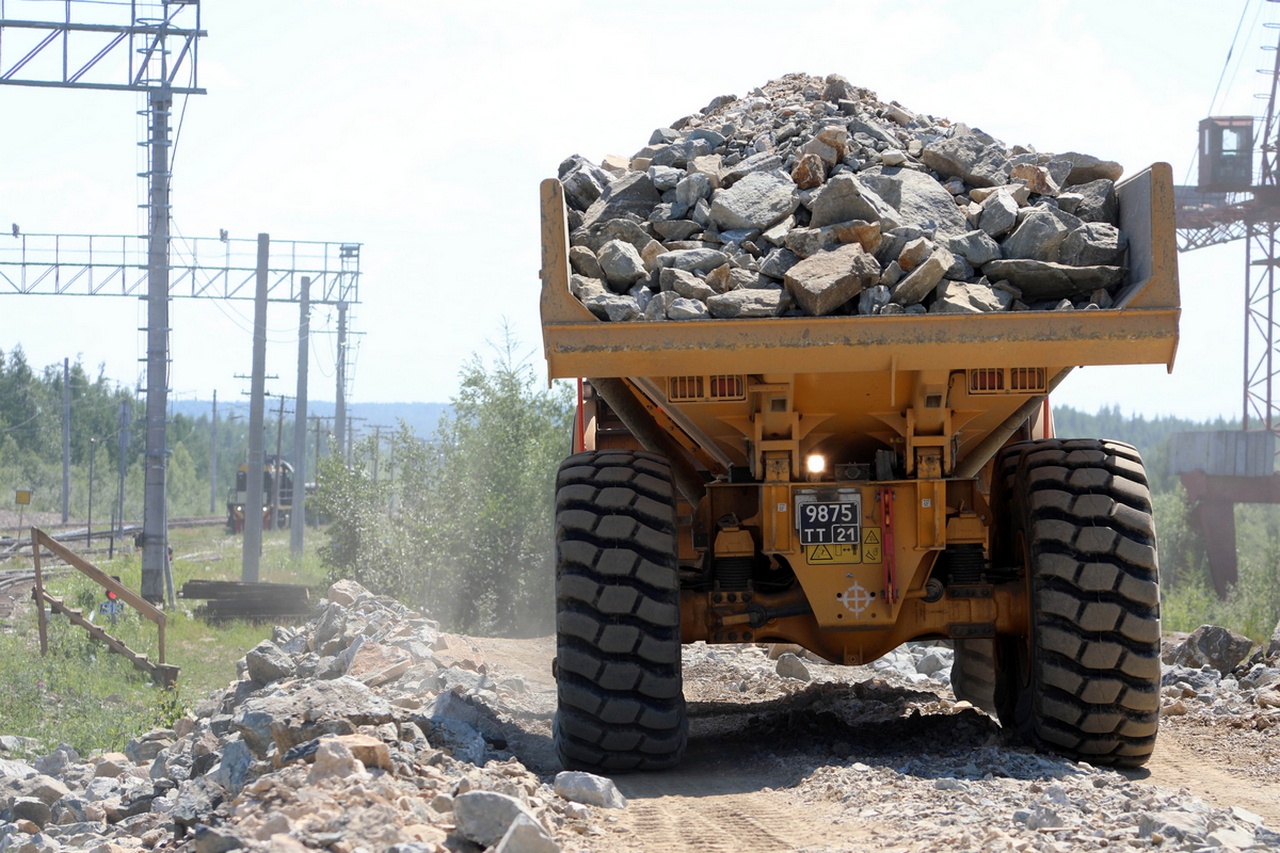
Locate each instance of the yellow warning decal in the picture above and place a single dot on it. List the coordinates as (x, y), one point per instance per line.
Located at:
(829, 554)
(871, 550)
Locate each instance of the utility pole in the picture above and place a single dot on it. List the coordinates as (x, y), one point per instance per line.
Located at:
(126, 418)
(155, 520)
(253, 485)
(298, 517)
(377, 448)
(88, 534)
(341, 436)
(351, 438)
(66, 440)
(277, 469)
(213, 458)
(319, 448)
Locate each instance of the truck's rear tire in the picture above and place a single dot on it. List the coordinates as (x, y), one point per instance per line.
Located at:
(618, 675)
(1088, 681)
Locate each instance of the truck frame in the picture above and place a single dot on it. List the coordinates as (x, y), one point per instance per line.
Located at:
(852, 483)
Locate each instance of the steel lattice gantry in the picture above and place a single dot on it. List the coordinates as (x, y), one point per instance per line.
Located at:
(1261, 406)
(203, 267)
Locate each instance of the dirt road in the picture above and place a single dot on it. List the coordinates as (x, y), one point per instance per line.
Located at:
(850, 760)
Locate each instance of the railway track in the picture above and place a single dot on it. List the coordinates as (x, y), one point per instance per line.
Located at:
(20, 546)
(15, 583)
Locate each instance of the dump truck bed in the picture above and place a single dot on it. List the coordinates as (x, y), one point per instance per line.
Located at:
(1142, 327)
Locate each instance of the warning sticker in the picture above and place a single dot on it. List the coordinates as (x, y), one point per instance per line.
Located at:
(871, 550)
(834, 553)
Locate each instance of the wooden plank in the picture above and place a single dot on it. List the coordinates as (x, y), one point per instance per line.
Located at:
(71, 558)
(38, 594)
(206, 589)
(164, 673)
(100, 577)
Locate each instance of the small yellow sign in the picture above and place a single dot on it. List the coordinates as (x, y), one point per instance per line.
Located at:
(845, 553)
(871, 550)
(23, 497)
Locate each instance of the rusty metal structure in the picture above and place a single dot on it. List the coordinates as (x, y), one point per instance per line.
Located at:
(1237, 197)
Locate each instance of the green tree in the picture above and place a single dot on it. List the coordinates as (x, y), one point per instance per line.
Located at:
(469, 539)
(491, 494)
(359, 536)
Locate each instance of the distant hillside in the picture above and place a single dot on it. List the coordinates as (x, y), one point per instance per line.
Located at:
(422, 418)
(1151, 437)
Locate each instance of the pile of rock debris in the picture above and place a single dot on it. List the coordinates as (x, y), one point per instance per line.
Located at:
(812, 197)
(369, 729)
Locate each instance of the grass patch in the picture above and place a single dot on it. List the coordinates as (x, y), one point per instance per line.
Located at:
(1251, 607)
(82, 695)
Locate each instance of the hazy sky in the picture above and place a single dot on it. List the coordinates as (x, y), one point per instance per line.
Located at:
(421, 130)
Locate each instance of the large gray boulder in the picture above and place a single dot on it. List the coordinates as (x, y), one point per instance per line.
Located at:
(692, 260)
(919, 200)
(958, 297)
(841, 200)
(631, 195)
(923, 279)
(757, 201)
(583, 181)
(614, 307)
(266, 663)
(1213, 646)
(976, 247)
(682, 308)
(971, 155)
(749, 302)
(1042, 281)
(685, 284)
(589, 789)
(1038, 237)
(621, 264)
(484, 817)
(764, 161)
(1098, 200)
(526, 835)
(1094, 243)
(306, 711)
(1086, 167)
(998, 214)
(827, 280)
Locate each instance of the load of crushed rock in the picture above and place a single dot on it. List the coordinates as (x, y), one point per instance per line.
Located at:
(812, 197)
(367, 729)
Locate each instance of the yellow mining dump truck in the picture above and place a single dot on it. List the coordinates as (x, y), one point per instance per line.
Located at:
(852, 483)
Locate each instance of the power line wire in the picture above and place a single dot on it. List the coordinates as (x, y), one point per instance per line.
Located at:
(1222, 75)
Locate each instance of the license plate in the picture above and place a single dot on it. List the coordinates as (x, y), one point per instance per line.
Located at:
(829, 522)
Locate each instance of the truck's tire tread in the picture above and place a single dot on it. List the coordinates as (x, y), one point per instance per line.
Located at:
(1085, 512)
(618, 671)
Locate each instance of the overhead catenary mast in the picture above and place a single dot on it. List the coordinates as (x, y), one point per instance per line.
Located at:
(153, 51)
(160, 52)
